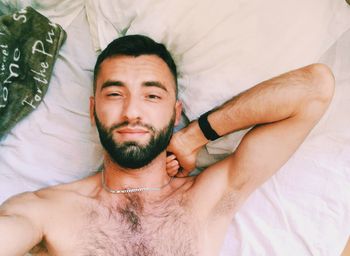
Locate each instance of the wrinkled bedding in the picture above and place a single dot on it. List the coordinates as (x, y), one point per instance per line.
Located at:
(221, 50)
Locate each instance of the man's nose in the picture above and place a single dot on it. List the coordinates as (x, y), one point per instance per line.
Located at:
(132, 109)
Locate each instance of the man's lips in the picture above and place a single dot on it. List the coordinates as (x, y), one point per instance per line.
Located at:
(132, 133)
(132, 130)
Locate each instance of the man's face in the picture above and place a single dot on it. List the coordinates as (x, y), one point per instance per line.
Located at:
(134, 108)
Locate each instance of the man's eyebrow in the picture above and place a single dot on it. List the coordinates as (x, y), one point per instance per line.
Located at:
(155, 84)
(110, 83)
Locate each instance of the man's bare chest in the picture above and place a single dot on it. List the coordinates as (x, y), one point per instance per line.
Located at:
(134, 228)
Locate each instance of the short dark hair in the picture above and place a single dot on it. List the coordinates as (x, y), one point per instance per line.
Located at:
(136, 45)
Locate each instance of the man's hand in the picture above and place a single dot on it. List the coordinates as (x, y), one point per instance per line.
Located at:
(184, 150)
(172, 165)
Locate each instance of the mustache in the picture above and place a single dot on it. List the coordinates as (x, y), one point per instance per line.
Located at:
(134, 124)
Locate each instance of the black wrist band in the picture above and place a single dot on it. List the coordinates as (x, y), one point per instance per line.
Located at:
(207, 130)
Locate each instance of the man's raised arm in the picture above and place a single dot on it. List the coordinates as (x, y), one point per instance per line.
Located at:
(19, 232)
(282, 110)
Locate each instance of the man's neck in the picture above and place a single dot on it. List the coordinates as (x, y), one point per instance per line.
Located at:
(153, 175)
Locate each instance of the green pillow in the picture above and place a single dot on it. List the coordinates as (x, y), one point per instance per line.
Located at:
(29, 45)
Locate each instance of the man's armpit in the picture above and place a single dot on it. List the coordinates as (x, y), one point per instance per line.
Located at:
(211, 190)
(228, 204)
(39, 250)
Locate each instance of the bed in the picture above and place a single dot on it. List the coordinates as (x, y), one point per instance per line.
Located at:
(221, 49)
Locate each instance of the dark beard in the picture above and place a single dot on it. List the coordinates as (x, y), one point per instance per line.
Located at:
(131, 155)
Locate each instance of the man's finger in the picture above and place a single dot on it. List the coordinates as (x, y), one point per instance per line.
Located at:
(170, 158)
(173, 163)
(173, 171)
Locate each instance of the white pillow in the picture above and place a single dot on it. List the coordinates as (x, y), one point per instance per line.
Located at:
(225, 47)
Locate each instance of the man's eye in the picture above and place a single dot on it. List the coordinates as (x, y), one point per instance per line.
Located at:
(114, 94)
(153, 97)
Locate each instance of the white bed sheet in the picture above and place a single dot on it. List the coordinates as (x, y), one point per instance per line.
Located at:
(302, 210)
(305, 208)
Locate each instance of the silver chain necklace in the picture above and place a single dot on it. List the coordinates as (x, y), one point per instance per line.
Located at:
(129, 190)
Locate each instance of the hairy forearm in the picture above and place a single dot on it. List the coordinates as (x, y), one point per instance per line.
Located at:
(277, 99)
(267, 102)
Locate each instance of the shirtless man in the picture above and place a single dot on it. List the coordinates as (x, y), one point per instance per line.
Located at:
(133, 206)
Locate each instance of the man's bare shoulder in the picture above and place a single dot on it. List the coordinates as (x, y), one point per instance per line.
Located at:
(28, 203)
(26, 206)
(19, 201)
(85, 187)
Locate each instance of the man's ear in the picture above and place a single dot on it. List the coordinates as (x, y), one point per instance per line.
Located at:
(92, 110)
(178, 111)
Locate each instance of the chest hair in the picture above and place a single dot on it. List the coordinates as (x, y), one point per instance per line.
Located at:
(133, 227)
